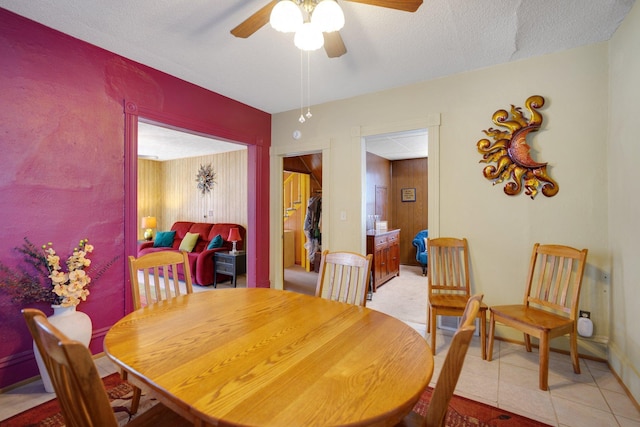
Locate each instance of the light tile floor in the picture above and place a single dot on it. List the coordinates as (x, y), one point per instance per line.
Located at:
(510, 381)
(592, 398)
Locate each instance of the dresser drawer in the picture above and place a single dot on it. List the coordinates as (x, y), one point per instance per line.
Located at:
(380, 242)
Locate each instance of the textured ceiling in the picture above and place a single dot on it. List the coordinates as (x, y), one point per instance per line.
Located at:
(385, 48)
(162, 144)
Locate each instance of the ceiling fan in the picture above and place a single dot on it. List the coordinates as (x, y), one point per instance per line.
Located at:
(333, 44)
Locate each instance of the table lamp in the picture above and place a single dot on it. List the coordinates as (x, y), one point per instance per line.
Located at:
(234, 236)
(148, 222)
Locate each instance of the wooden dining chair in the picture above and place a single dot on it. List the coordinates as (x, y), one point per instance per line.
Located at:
(81, 394)
(159, 272)
(448, 281)
(450, 372)
(550, 306)
(344, 277)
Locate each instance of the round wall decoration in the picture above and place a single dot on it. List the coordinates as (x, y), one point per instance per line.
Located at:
(510, 152)
(205, 178)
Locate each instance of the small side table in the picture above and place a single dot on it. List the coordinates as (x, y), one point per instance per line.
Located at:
(229, 264)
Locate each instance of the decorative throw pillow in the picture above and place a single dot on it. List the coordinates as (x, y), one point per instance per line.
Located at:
(164, 239)
(426, 240)
(216, 242)
(189, 242)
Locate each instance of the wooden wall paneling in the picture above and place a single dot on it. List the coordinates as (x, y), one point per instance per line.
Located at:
(378, 175)
(174, 187)
(310, 164)
(382, 203)
(292, 221)
(149, 195)
(409, 217)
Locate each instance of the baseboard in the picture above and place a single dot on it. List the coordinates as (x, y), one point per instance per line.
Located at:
(451, 323)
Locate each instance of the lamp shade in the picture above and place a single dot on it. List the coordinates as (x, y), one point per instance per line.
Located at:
(234, 235)
(149, 222)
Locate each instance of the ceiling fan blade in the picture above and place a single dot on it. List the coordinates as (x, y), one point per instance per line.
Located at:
(406, 5)
(254, 22)
(333, 44)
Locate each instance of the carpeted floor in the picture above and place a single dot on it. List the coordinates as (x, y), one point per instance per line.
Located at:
(48, 414)
(468, 413)
(462, 412)
(404, 296)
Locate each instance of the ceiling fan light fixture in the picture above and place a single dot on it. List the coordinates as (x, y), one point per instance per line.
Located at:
(328, 16)
(286, 17)
(308, 37)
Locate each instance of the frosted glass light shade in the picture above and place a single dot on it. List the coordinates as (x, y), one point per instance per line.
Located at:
(286, 16)
(308, 37)
(328, 16)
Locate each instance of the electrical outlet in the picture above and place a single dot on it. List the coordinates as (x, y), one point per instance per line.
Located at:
(586, 314)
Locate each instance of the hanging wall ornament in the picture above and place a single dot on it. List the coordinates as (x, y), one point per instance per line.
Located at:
(510, 152)
(205, 178)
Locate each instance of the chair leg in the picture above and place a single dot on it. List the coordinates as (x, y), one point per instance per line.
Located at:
(433, 331)
(527, 342)
(574, 352)
(135, 400)
(137, 393)
(544, 362)
(428, 318)
(492, 323)
(482, 315)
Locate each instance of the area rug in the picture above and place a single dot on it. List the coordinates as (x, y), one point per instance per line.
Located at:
(48, 414)
(462, 412)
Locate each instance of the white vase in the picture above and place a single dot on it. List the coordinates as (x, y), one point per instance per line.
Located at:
(75, 325)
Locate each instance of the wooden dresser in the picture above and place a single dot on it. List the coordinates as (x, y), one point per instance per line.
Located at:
(385, 248)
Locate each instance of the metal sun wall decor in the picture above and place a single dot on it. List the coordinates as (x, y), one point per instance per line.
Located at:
(205, 178)
(510, 151)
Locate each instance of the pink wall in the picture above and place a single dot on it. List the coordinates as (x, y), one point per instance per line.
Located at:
(64, 160)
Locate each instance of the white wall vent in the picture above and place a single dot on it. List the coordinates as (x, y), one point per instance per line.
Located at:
(451, 323)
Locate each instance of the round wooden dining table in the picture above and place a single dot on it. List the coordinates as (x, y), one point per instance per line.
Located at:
(267, 357)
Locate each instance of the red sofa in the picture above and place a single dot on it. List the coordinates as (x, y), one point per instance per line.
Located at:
(201, 258)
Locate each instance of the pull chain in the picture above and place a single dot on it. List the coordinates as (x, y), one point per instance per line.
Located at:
(301, 119)
(308, 87)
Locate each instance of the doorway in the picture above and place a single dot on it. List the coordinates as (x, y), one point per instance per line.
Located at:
(397, 185)
(302, 226)
(168, 160)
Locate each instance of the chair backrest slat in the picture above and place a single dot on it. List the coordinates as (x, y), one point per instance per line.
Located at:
(344, 277)
(160, 274)
(448, 265)
(555, 278)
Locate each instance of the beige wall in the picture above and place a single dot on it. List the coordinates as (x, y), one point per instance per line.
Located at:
(624, 205)
(501, 229)
(167, 190)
